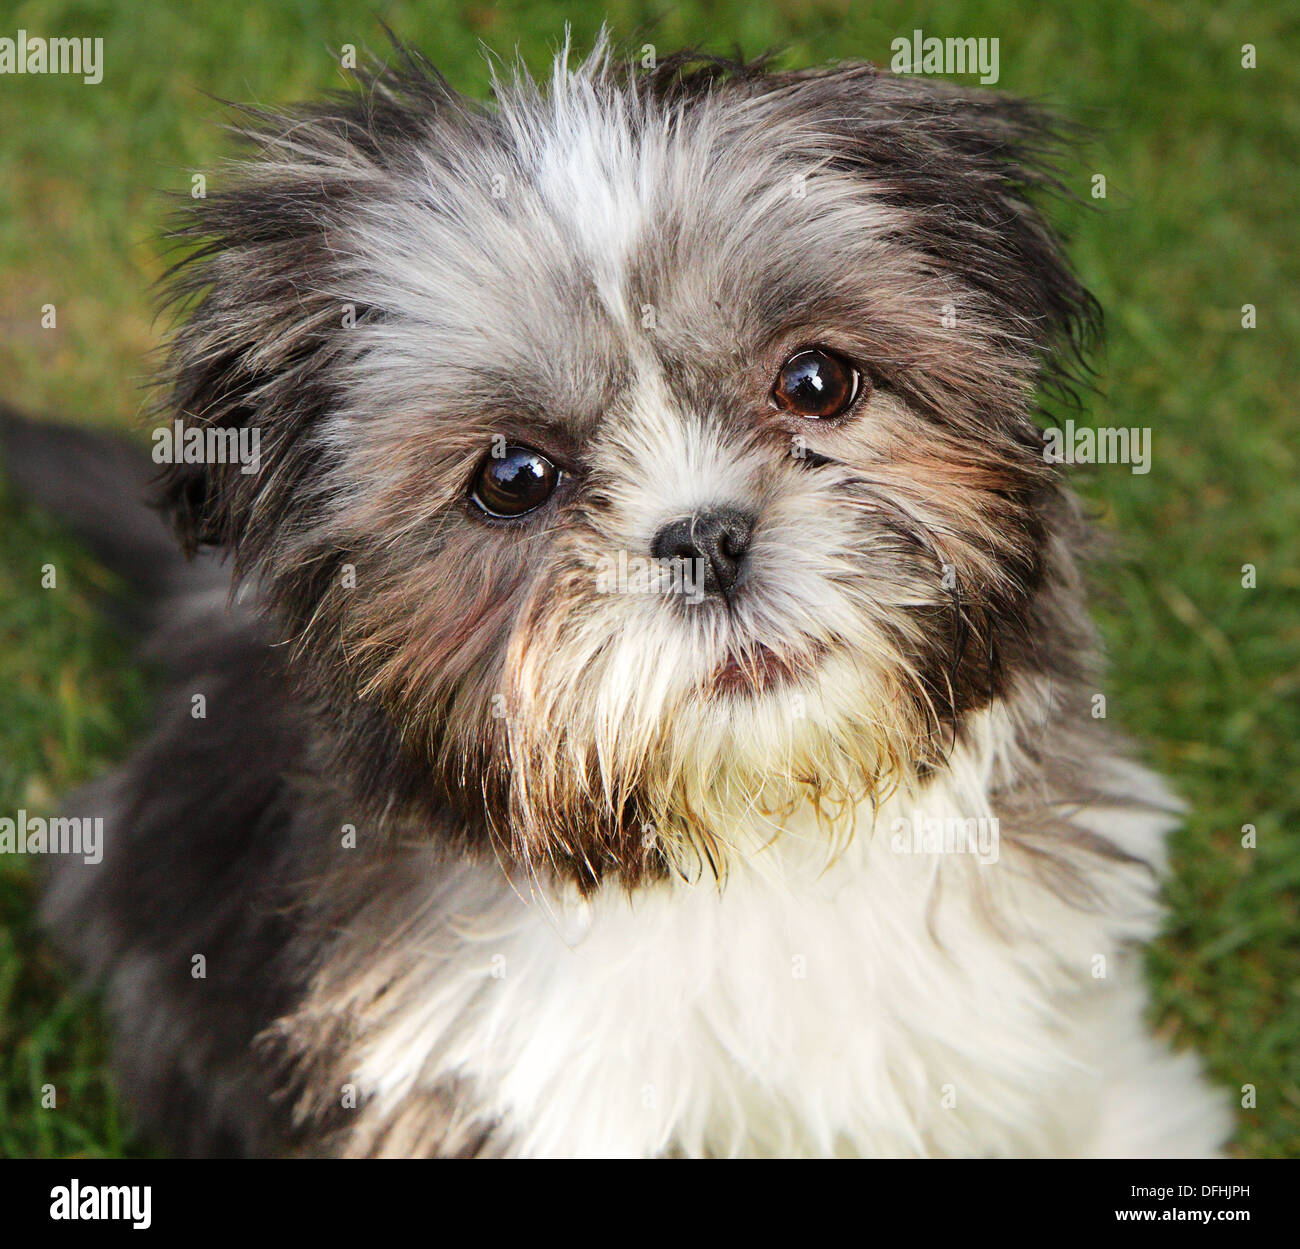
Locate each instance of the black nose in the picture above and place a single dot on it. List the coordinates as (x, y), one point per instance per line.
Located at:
(718, 537)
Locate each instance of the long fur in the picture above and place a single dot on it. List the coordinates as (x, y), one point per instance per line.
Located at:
(595, 902)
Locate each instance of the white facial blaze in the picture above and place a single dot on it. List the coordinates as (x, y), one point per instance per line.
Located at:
(617, 683)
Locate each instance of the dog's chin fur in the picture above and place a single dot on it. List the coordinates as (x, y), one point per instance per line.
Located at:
(484, 859)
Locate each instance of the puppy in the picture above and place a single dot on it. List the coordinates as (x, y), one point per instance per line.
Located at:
(654, 715)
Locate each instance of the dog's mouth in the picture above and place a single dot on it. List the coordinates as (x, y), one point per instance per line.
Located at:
(760, 669)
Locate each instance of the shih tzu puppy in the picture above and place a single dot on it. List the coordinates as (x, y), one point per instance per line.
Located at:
(655, 711)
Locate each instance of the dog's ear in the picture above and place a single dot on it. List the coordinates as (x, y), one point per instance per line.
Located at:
(970, 171)
(264, 297)
(259, 315)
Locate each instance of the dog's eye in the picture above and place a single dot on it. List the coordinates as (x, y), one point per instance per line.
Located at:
(817, 384)
(514, 483)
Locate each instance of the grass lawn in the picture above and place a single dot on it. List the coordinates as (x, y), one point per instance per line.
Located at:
(1200, 157)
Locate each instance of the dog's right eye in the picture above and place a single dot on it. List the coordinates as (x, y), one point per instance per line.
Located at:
(514, 483)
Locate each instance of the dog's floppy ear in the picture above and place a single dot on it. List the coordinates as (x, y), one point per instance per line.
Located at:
(263, 301)
(248, 356)
(969, 169)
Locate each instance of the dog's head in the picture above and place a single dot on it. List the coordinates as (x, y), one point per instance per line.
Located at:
(646, 448)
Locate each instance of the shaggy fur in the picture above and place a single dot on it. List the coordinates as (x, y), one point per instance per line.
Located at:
(486, 860)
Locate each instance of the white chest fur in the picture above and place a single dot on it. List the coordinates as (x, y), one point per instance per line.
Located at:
(890, 1003)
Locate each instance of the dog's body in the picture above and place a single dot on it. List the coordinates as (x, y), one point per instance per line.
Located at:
(459, 854)
(891, 1004)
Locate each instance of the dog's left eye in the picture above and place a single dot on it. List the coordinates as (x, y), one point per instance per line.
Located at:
(514, 483)
(817, 384)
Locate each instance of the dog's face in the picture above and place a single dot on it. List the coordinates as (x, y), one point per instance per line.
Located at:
(639, 452)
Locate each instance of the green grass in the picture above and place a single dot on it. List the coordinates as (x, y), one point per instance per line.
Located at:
(1200, 157)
